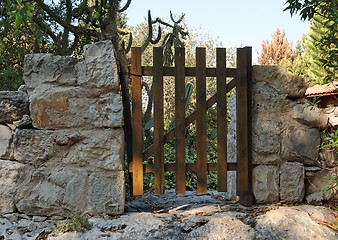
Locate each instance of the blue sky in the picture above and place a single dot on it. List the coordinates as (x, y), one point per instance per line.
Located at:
(237, 23)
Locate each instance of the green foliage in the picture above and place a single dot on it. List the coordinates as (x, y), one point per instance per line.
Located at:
(64, 27)
(191, 156)
(328, 39)
(15, 13)
(306, 9)
(312, 55)
(314, 102)
(333, 183)
(75, 223)
(10, 78)
(330, 143)
(330, 140)
(317, 52)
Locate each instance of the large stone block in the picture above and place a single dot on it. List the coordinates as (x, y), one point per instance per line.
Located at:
(42, 68)
(279, 79)
(106, 193)
(93, 149)
(32, 146)
(6, 136)
(267, 100)
(266, 184)
(302, 222)
(12, 174)
(292, 182)
(300, 143)
(13, 105)
(61, 191)
(315, 117)
(72, 107)
(98, 71)
(266, 142)
(101, 66)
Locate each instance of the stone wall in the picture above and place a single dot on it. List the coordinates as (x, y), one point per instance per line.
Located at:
(61, 137)
(288, 165)
(62, 143)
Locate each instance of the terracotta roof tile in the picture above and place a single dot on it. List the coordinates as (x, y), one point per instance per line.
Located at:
(321, 90)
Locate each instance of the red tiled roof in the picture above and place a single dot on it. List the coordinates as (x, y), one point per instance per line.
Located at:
(322, 90)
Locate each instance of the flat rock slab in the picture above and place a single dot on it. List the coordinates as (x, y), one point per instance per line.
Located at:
(189, 216)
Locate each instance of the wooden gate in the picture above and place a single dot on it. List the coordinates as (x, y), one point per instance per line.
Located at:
(241, 79)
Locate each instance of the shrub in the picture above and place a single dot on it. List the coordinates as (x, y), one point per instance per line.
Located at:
(75, 223)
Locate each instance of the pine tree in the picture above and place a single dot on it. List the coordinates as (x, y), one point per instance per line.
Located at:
(278, 50)
(309, 61)
(316, 51)
(300, 64)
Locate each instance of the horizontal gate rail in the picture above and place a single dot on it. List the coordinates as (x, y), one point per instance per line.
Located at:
(189, 72)
(191, 167)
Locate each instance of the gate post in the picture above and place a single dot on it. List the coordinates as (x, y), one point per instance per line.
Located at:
(137, 146)
(244, 125)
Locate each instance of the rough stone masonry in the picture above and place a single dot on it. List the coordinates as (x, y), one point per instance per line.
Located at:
(287, 159)
(61, 137)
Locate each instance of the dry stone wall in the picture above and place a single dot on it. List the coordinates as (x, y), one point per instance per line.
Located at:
(61, 137)
(288, 164)
(62, 142)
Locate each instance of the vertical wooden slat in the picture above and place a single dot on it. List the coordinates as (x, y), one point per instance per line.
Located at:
(222, 120)
(158, 121)
(244, 165)
(137, 158)
(180, 120)
(201, 120)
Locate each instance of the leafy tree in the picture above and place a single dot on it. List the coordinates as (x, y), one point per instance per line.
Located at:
(13, 46)
(307, 8)
(277, 50)
(64, 26)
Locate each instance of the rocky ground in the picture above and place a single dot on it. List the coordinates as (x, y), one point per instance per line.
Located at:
(190, 216)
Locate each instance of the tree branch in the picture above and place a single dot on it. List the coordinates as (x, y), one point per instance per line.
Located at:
(65, 35)
(76, 41)
(69, 27)
(46, 29)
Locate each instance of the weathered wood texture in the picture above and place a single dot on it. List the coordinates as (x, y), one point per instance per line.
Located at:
(137, 148)
(201, 120)
(241, 80)
(180, 120)
(243, 90)
(158, 121)
(222, 120)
